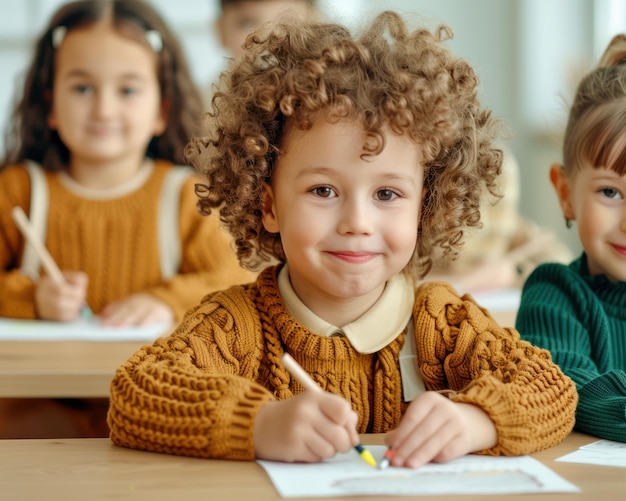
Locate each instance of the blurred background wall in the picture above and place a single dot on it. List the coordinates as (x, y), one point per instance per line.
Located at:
(529, 55)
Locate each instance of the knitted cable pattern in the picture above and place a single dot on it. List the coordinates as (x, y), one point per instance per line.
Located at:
(529, 399)
(279, 378)
(198, 391)
(388, 404)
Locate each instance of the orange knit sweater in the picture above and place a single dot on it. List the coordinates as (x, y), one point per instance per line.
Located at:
(197, 392)
(115, 242)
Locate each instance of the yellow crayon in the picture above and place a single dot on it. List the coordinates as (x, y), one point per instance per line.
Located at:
(366, 455)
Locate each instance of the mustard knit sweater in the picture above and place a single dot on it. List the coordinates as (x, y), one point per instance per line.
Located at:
(197, 392)
(115, 241)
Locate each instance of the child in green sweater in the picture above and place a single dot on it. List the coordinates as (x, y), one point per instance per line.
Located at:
(577, 311)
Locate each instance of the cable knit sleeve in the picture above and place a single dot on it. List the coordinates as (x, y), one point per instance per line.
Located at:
(194, 393)
(460, 347)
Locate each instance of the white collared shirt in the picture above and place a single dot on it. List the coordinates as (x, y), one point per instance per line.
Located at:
(373, 330)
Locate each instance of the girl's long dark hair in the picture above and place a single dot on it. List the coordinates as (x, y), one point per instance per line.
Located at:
(28, 135)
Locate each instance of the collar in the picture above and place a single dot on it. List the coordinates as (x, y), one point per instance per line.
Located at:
(374, 330)
(133, 184)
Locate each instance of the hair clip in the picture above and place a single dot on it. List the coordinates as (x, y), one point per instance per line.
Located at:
(154, 40)
(58, 35)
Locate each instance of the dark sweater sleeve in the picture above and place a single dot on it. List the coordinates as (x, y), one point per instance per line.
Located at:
(560, 313)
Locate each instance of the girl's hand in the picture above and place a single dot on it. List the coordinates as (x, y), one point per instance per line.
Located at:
(136, 310)
(437, 429)
(61, 302)
(309, 427)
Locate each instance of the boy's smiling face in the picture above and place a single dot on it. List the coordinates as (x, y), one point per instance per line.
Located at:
(347, 222)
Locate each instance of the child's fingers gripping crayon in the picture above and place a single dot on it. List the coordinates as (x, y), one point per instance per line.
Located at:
(53, 270)
(305, 380)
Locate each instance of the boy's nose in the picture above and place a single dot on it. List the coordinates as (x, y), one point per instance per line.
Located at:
(355, 219)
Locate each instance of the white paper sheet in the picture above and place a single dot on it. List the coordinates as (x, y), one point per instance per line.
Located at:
(79, 330)
(602, 452)
(349, 475)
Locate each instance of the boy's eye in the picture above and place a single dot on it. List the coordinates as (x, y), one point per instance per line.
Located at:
(129, 91)
(386, 195)
(611, 193)
(323, 191)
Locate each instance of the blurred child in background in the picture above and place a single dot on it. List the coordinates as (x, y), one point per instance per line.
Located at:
(239, 18)
(94, 153)
(506, 248)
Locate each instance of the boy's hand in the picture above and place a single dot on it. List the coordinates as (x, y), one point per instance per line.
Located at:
(61, 302)
(437, 429)
(309, 427)
(136, 310)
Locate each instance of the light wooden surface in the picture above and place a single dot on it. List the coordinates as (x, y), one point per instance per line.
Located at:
(72, 369)
(60, 369)
(95, 469)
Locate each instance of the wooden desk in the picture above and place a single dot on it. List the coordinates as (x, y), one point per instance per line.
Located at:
(95, 469)
(72, 369)
(60, 369)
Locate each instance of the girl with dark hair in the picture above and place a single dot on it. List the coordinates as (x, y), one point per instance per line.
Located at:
(93, 157)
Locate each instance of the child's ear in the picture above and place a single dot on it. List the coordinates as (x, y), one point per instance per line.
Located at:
(268, 209)
(560, 181)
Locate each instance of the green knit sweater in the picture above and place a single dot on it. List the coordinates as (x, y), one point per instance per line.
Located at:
(581, 320)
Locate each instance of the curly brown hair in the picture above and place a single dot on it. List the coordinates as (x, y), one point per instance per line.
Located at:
(30, 137)
(386, 77)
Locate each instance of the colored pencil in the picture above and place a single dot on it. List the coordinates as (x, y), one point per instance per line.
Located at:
(47, 261)
(305, 380)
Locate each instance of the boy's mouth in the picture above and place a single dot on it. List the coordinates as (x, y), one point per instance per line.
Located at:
(354, 257)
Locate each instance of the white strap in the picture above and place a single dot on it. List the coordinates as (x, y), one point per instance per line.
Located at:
(169, 228)
(169, 212)
(38, 215)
